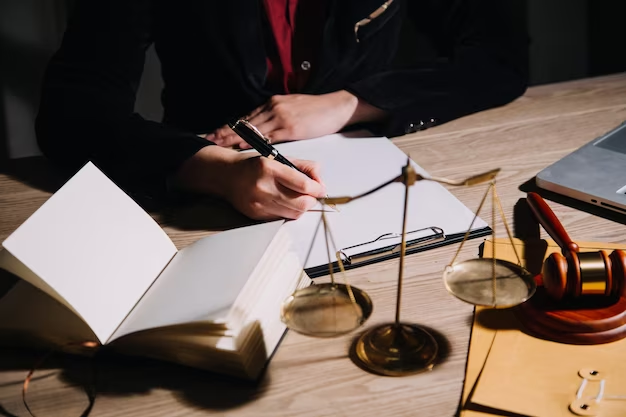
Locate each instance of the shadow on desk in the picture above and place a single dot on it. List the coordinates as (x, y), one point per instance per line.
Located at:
(530, 185)
(113, 375)
(201, 213)
(36, 172)
(182, 212)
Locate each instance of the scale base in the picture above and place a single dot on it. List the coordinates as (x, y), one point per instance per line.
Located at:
(395, 349)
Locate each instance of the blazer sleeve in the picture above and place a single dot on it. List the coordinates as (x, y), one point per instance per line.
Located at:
(481, 61)
(87, 103)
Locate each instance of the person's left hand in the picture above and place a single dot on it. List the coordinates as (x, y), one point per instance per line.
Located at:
(295, 117)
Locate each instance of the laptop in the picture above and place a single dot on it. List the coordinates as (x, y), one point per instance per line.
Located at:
(595, 173)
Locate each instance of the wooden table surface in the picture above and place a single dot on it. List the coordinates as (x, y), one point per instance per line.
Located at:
(314, 377)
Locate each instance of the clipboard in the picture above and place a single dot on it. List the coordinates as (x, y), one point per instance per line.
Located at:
(371, 252)
(365, 229)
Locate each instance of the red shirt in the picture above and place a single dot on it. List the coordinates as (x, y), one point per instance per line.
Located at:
(296, 26)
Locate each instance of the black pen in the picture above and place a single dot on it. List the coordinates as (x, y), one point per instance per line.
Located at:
(253, 137)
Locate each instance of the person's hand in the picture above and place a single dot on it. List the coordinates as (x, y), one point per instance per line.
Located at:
(258, 187)
(301, 116)
(265, 189)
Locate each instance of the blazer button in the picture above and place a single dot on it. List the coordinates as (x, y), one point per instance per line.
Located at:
(413, 127)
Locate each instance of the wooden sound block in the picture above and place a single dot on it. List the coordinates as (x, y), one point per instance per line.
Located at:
(586, 321)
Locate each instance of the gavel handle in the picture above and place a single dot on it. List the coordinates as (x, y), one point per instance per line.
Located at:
(549, 221)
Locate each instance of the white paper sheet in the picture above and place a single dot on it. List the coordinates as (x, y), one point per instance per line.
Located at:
(353, 164)
(203, 280)
(95, 247)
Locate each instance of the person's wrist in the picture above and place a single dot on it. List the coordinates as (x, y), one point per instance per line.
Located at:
(362, 111)
(208, 171)
(346, 103)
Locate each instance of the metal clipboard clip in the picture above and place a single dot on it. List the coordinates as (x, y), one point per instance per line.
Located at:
(364, 252)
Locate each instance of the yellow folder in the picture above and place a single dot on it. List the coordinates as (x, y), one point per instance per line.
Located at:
(510, 373)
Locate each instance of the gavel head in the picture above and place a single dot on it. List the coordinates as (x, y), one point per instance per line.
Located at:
(574, 274)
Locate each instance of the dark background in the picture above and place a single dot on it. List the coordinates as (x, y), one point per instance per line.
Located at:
(570, 39)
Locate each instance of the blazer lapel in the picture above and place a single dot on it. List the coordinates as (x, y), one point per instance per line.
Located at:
(243, 37)
(339, 40)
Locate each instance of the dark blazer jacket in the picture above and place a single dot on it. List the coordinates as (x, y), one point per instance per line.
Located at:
(424, 61)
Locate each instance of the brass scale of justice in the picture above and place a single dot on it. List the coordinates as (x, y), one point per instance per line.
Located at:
(399, 348)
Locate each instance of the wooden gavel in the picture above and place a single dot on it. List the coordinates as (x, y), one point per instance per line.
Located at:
(572, 274)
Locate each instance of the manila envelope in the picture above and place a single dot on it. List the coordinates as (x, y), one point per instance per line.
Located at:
(510, 373)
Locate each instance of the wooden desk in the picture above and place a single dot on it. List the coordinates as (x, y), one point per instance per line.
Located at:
(314, 377)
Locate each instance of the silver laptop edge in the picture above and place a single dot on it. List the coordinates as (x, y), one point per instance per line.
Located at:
(594, 173)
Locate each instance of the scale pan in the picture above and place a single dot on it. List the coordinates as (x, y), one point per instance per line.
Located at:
(472, 281)
(326, 310)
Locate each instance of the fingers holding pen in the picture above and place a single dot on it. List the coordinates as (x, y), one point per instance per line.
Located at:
(293, 210)
(310, 168)
(293, 203)
(275, 186)
(301, 182)
(267, 189)
(256, 186)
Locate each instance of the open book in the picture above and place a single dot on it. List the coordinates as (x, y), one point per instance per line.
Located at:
(95, 267)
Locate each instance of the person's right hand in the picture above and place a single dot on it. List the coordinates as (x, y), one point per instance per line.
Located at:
(258, 187)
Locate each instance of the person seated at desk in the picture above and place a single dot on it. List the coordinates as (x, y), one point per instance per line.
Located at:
(296, 69)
